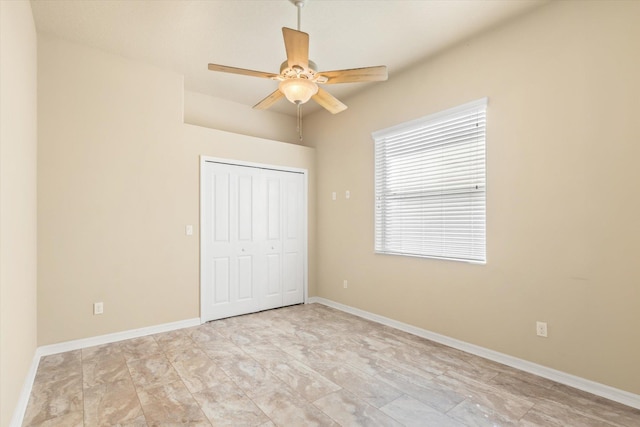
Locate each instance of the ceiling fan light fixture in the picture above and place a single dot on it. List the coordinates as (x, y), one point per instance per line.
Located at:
(298, 90)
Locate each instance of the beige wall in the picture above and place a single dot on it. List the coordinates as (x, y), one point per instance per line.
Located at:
(18, 145)
(216, 113)
(118, 176)
(563, 239)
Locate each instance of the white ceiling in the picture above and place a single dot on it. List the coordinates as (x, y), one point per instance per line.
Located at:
(185, 36)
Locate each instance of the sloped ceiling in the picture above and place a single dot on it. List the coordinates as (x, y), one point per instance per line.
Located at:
(184, 36)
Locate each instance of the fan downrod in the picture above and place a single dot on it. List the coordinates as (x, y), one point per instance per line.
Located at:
(299, 4)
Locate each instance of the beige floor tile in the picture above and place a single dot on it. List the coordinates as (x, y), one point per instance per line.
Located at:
(171, 404)
(413, 413)
(152, 371)
(470, 413)
(69, 419)
(113, 403)
(221, 352)
(484, 401)
(53, 398)
(205, 333)
(138, 348)
(174, 340)
(579, 403)
(420, 387)
(414, 359)
(249, 375)
(62, 361)
(105, 369)
(558, 417)
(365, 387)
(105, 351)
(226, 405)
(176, 355)
(347, 410)
(199, 373)
(284, 408)
(302, 379)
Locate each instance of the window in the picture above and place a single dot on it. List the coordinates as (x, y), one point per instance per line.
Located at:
(430, 185)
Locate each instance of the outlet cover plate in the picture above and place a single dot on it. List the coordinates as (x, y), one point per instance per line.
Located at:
(541, 329)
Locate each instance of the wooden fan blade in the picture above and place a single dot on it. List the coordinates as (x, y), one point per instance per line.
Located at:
(243, 71)
(297, 45)
(356, 75)
(328, 101)
(269, 100)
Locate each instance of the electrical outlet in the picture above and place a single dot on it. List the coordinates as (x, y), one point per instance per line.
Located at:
(345, 284)
(541, 329)
(98, 308)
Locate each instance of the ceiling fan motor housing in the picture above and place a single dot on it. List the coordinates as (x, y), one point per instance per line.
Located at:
(298, 71)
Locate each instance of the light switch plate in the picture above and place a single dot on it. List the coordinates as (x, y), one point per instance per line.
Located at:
(98, 308)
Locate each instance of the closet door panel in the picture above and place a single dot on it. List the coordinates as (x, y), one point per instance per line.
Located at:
(221, 277)
(272, 293)
(229, 260)
(245, 278)
(293, 239)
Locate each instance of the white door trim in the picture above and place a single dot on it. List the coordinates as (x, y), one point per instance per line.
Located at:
(305, 174)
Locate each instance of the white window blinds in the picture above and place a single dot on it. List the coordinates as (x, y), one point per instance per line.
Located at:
(430, 185)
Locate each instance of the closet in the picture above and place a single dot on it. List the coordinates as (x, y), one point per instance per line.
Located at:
(252, 237)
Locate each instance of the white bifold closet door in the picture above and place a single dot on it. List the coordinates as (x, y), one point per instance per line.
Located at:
(253, 237)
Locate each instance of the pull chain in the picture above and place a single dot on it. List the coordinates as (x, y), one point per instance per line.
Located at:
(299, 4)
(300, 121)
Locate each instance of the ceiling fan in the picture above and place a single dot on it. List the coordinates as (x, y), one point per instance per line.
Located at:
(299, 77)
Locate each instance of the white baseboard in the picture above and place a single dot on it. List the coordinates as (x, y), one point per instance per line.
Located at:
(23, 401)
(611, 393)
(115, 337)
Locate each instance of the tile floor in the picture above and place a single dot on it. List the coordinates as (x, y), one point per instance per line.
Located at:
(306, 365)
